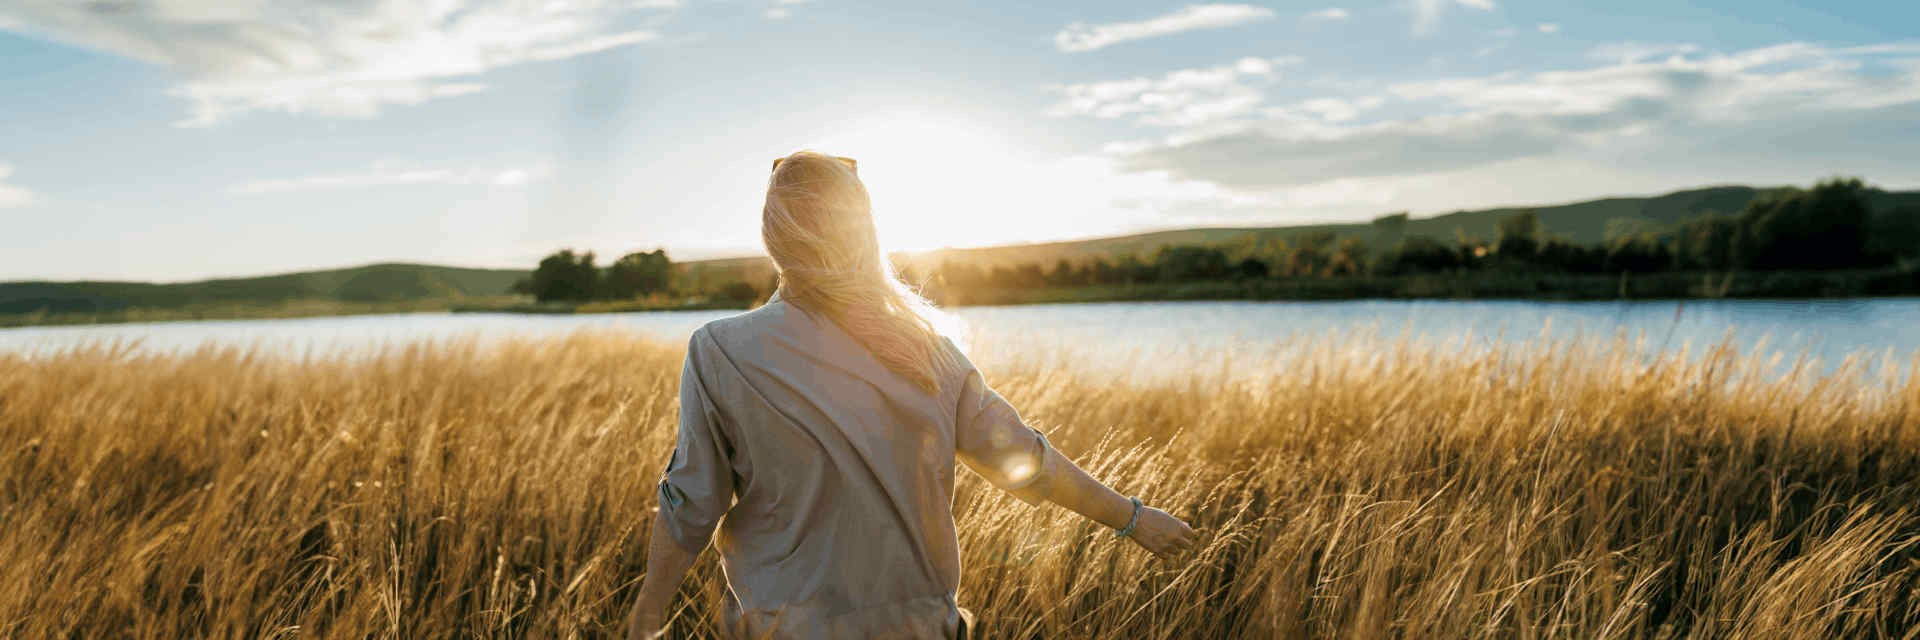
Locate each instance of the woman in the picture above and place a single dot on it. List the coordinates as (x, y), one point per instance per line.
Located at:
(824, 426)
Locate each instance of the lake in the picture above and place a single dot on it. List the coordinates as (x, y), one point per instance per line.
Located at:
(1136, 335)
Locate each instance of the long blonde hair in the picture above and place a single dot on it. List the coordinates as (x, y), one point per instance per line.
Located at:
(818, 227)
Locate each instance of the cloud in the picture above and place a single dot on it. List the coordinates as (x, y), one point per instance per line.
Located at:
(782, 9)
(1426, 13)
(11, 195)
(1548, 27)
(1186, 97)
(385, 174)
(1254, 157)
(1329, 13)
(341, 59)
(1631, 52)
(1758, 106)
(1079, 37)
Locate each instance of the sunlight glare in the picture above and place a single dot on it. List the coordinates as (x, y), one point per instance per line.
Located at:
(943, 181)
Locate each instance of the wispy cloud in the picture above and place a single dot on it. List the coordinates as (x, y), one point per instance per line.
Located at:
(1426, 13)
(782, 9)
(1329, 13)
(1820, 102)
(1079, 37)
(386, 174)
(1187, 97)
(1548, 27)
(12, 195)
(332, 59)
(1631, 52)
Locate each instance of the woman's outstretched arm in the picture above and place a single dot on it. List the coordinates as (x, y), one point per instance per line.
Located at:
(667, 565)
(994, 442)
(1064, 483)
(1046, 475)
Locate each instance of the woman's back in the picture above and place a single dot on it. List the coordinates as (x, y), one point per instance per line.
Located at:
(842, 471)
(819, 433)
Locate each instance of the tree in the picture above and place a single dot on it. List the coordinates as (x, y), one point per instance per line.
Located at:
(1894, 234)
(1132, 269)
(1348, 259)
(1821, 228)
(1029, 275)
(638, 274)
(1418, 254)
(1100, 271)
(1308, 255)
(739, 291)
(1470, 250)
(1564, 255)
(1250, 268)
(1708, 242)
(1643, 252)
(1064, 274)
(1519, 237)
(1191, 263)
(567, 276)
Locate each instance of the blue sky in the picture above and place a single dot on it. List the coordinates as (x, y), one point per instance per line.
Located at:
(179, 139)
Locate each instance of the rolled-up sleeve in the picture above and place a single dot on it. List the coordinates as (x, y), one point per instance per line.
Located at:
(992, 440)
(697, 488)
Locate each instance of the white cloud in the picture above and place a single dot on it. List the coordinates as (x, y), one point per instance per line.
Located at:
(1426, 13)
(12, 195)
(1631, 52)
(1078, 37)
(385, 174)
(1338, 109)
(1797, 104)
(1548, 27)
(333, 59)
(1187, 97)
(1329, 13)
(782, 9)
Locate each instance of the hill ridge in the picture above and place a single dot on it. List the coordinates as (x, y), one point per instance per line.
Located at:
(1583, 221)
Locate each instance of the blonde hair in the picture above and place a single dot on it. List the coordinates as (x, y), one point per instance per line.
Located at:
(818, 227)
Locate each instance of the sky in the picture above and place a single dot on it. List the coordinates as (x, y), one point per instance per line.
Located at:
(168, 140)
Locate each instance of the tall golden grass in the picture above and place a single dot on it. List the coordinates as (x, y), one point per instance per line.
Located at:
(1356, 488)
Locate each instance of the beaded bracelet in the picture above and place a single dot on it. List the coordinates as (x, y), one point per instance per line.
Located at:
(1131, 522)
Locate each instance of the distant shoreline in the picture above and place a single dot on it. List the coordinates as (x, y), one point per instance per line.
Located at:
(1479, 285)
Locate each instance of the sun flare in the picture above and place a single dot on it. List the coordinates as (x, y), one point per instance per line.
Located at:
(939, 180)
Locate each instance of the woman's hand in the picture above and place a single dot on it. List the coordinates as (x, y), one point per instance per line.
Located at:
(1161, 534)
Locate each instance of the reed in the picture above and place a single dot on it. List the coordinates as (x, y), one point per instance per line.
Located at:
(1348, 488)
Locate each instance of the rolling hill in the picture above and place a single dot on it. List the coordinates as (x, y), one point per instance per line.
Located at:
(392, 282)
(1584, 222)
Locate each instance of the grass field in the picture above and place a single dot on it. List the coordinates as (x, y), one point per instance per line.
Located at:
(1348, 488)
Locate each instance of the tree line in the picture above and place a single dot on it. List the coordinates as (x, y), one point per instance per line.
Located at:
(1827, 227)
(569, 276)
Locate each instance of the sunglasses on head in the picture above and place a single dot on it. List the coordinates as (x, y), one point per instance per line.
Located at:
(850, 162)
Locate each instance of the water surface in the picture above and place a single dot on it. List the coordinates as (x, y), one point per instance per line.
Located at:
(1138, 333)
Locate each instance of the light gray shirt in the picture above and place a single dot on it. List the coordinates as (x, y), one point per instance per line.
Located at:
(830, 477)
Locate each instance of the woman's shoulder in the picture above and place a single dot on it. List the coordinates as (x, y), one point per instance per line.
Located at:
(770, 317)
